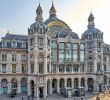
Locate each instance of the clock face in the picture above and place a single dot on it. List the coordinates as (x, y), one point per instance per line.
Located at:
(54, 30)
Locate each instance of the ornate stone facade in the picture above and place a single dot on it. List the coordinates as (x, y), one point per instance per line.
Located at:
(53, 57)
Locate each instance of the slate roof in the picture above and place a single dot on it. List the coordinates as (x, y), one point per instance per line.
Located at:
(16, 37)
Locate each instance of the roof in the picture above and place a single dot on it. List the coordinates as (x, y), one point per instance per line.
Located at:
(16, 37)
(54, 18)
(65, 33)
(92, 30)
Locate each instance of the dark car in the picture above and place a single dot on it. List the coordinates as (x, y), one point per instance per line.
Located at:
(79, 92)
(12, 93)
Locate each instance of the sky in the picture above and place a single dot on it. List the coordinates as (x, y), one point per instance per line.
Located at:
(17, 15)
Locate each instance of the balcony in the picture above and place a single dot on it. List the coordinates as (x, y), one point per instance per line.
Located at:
(3, 62)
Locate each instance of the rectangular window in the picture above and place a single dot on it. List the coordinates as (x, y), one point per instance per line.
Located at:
(90, 45)
(61, 45)
(4, 43)
(48, 68)
(14, 57)
(3, 68)
(75, 56)
(68, 69)
(75, 46)
(14, 44)
(4, 57)
(53, 44)
(75, 68)
(40, 41)
(61, 68)
(61, 55)
(13, 68)
(54, 68)
(104, 59)
(54, 55)
(104, 67)
(23, 58)
(41, 71)
(68, 55)
(23, 69)
(23, 44)
(32, 68)
(31, 41)
(81, 56)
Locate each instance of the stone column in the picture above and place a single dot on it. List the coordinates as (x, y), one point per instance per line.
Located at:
(29, 91)
(19, 87)
(37, 91)
(9, 87)
(72, 83)
(45, 91)
(0, 87)
(79, 84)
(50, 86)
(57, 68)
(86, 86)
(36, 64)
(65, 83)
(45, 63)
(58, 90)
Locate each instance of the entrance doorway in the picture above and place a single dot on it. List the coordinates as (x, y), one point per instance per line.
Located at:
(41, 92)
(32, 88)
(90, 83)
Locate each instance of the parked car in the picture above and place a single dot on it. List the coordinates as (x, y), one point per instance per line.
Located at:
(12, 93)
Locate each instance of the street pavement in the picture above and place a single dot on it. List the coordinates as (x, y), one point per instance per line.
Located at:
(58, 97)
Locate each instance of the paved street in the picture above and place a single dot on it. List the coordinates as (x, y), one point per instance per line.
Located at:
(57, 97)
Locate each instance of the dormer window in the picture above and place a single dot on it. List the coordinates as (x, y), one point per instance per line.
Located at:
(4, 43)
(14, 44)
(23, 44)
(90, 37)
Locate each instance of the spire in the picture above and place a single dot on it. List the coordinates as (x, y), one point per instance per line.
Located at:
(91, 20)
(52, 10)
(39, 13)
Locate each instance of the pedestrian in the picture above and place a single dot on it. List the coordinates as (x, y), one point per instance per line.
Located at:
(97, 97)
(22, 98)
(81, 98)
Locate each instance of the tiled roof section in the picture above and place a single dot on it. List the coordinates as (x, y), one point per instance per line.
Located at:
(92, 30)
(19, 38)
(16, 37)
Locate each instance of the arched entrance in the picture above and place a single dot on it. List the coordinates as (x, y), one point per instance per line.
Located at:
(62, 83)
(90, 83)
(4, 86)
(32, 88)
(69, 82)
(54, 85)
(48, 86)
(83, 82)
(24, 85)
(76, 83)
(14, 84)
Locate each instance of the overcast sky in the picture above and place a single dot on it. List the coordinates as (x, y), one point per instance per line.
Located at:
(17, 15)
